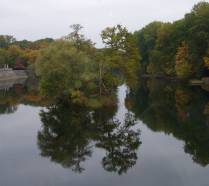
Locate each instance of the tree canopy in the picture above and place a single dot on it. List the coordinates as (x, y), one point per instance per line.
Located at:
(159, 43)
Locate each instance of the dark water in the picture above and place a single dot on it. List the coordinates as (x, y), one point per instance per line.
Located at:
(157, 135)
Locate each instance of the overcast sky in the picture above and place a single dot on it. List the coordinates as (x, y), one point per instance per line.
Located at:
(35, 19)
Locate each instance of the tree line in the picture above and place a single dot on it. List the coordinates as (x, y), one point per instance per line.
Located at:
(72, 67)
(179, 49)
(24, 52)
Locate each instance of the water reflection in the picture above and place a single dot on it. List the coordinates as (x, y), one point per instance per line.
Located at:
(71, 132)
(16, 92)
(121, 143)
(10, 98)
(65, 135)
(175, 109)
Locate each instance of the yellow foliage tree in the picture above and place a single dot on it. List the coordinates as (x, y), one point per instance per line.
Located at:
(183, 66)
(206, 60)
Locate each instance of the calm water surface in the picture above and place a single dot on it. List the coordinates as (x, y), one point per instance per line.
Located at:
(158, 135)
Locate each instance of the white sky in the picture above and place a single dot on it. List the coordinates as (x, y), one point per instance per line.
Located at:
(35, 19)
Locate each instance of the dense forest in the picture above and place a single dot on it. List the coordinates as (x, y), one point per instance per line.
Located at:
(177, 49)
(72, 67)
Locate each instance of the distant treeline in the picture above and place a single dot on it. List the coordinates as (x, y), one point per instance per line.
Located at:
(25, 52)
(177, 49)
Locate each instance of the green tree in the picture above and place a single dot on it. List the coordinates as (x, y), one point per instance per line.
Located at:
(79, 41)
(197, 35)
(14, 52)
(3, 57)
(65, 71)
(146, 41)
(121, 52)
(6, 40)
(115, 37)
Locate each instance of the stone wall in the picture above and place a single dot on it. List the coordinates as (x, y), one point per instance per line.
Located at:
(8, 74)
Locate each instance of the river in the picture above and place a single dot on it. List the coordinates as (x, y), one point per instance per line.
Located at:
(158, 135)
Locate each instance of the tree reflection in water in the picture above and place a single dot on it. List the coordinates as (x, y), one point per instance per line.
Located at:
(120, 143)
(70, 132)
(12, 97)
(9, 100)
(65, 136)
(175, 109)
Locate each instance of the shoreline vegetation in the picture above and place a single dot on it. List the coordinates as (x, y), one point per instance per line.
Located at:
(73, 69)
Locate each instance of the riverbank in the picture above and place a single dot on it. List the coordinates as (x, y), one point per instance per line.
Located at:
(10, 74)
(198, 82)
(162, 77)
(203, 82)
